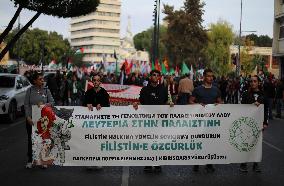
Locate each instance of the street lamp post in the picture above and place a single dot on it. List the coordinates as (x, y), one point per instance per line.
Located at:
(156, 33)
(158, 29)
(18, 47)
(238, 66)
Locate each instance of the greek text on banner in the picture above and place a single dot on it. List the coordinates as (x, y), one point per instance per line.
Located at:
(151, 135)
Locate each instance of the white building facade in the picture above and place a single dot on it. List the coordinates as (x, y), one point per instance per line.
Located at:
(278, 34)
(98, 33)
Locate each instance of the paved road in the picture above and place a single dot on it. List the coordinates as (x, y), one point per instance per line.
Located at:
(13, 157)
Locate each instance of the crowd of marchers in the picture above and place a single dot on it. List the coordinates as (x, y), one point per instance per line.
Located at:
(70, 89)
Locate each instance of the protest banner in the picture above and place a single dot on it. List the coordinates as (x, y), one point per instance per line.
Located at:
(151, 135)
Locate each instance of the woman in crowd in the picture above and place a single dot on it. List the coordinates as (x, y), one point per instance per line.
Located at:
(35, 95)
(254, 95)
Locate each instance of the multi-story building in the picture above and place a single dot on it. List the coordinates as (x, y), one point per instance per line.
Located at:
(98, 33)
(278, 34)
(266, 53)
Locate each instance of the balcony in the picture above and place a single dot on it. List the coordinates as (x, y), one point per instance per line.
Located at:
(279, 12)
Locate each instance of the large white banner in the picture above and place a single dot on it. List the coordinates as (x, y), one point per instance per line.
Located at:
(151, 135)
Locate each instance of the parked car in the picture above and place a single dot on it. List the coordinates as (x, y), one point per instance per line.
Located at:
(13, 88)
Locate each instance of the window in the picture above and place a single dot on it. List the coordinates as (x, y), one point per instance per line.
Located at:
(25, 81)
(7, 82)
(281, 32)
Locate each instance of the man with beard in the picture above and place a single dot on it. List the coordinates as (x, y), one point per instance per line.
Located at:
(153, 94)
(96, 97)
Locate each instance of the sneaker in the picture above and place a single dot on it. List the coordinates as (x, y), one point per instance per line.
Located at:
(243, 167)
(256, 167)
(210, 168)
(157, 169)
(29, 165)
(195, 168)
(148, 169)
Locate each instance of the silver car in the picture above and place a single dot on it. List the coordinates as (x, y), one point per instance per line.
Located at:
(13, 89)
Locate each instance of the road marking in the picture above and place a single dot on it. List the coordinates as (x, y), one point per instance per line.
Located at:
(272, 146)
(125, 176)
(12, 125)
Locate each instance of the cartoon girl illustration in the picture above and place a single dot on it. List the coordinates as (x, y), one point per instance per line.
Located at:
(46, 158)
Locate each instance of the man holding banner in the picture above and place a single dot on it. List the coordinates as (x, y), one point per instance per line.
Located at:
(96, 97)
(206, 94)
(153, 94)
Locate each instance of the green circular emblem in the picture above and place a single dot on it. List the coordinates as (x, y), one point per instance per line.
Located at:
(244, 134)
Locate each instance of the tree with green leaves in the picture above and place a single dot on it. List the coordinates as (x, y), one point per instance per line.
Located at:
(259, 62)
(260, 41)
(59, 8)
(186, 39)
(247, 60)
(221, 37)
(143, 41)
(29, 50)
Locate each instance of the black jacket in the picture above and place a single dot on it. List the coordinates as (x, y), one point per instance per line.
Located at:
(250, 97)
(95, 98)
(150, 95)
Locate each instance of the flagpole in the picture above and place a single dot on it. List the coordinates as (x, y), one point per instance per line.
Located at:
(115, 57)
(116, 70)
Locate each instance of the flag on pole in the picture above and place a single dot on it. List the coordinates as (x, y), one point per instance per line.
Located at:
(69, 64)
(184, 69)
(114, 55)
(131, 66)
(153, 65)
(191, 72)
(52, 65)
(157, 65)
(80, 51)
(166, 64)
(177, 71)
(164, 70)
(116, 65)
(172, 71)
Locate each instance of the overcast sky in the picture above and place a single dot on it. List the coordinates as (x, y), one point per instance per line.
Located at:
(257, 15)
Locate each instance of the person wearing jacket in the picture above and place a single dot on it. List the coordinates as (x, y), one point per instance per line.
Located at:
(96, 97)
(254, 95)
(35, 95)
(154, 94)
